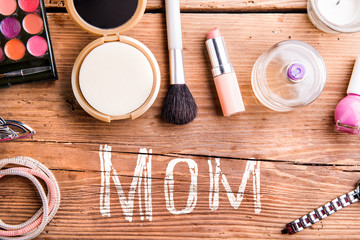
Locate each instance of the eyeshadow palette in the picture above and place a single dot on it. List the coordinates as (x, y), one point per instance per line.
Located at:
(26, 53)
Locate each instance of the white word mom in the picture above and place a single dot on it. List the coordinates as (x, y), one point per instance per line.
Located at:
(141, 183)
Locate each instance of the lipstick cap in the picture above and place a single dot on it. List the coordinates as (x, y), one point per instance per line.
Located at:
(354, 85)
(218, 56)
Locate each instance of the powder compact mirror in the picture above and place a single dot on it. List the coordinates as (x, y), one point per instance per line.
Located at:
(115, 76)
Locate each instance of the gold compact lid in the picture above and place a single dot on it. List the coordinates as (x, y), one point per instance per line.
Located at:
(106, 17)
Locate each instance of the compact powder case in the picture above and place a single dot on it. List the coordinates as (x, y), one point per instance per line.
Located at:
(115, 76)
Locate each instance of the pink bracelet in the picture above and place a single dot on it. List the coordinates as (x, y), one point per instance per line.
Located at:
(35, 225)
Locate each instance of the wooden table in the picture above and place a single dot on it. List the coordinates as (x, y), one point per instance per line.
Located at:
(286, 164)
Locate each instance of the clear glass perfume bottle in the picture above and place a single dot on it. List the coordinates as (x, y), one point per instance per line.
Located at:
(291, 74)
(335, 16)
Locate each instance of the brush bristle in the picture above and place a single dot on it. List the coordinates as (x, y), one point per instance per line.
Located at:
(179, 105)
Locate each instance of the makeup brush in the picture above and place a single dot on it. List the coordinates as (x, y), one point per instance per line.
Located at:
(25, 72)
(179, 105)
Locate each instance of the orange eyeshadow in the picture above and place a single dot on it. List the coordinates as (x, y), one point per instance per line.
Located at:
(15, 49)
(33, 24)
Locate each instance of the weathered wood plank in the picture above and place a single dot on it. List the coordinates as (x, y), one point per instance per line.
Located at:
(287, 192)
(305, 163)
(303, 135)
(218, 6)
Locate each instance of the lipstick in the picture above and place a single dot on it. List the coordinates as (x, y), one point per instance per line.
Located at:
(226, 83)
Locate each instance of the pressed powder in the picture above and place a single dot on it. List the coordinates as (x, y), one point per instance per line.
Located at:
(115, 78)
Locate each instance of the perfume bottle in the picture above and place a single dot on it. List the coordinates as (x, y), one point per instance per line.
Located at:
(347, 112)
(291, 74)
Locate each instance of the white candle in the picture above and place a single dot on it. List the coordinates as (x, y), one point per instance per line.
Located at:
(340, 12)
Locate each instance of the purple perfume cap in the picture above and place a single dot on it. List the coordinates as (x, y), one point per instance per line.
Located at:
(296, 72)
(10, 27)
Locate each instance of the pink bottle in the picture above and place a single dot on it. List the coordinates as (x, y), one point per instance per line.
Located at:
(347, 112)
(226, 83)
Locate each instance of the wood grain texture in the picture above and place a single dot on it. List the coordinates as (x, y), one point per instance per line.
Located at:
(257, 133)
(304, 162)
(217, 6)
(287, 192)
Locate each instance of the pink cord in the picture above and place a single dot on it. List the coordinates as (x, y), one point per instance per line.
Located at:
(37, 222)
(35, 225)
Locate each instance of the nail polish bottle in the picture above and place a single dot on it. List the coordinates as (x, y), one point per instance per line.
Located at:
(347, 112)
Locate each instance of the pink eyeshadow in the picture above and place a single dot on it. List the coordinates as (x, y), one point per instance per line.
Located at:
(37, 46)
(2, 55)
(29, 5)
(7, 7)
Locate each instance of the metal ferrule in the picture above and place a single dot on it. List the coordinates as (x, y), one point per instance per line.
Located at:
(177, 75)
(218, 56)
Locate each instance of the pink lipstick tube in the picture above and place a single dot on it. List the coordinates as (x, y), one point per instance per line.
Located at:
(224, 75)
